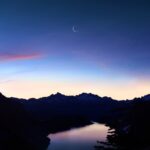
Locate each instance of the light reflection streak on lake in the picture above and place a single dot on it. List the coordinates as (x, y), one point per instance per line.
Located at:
(83, 138)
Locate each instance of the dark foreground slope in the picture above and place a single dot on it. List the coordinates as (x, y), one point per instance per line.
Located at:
(131, 132)
(17, 129)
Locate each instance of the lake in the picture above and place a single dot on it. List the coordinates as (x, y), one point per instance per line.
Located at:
(83, 138)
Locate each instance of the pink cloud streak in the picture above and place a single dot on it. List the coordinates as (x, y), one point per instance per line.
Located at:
(13, 57)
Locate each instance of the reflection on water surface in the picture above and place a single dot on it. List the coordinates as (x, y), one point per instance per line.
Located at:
(79, 138)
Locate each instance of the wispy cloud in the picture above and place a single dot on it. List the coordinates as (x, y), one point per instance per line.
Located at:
(5, 81)
(13, 57)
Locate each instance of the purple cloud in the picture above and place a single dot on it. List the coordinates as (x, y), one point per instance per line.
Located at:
(13, 57)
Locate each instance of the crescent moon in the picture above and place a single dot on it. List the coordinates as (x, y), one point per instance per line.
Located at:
(73, 29)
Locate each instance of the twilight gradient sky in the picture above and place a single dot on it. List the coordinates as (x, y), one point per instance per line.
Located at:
(40, 54)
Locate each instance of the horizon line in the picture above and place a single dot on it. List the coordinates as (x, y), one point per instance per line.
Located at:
(72, 95)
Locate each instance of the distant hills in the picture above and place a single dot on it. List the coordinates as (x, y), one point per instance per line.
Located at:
(81, 96)
(92, 107)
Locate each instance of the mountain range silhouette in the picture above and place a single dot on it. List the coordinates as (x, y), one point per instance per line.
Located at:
(25, 124)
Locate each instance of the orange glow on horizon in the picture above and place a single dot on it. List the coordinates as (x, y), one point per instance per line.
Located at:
(36, 89)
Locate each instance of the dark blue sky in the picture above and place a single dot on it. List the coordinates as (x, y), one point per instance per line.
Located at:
(110, 53)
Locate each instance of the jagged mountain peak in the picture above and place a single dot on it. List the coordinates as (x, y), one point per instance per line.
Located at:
(87, 95)
(58, 94)
(1, 95)
(146, 97)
